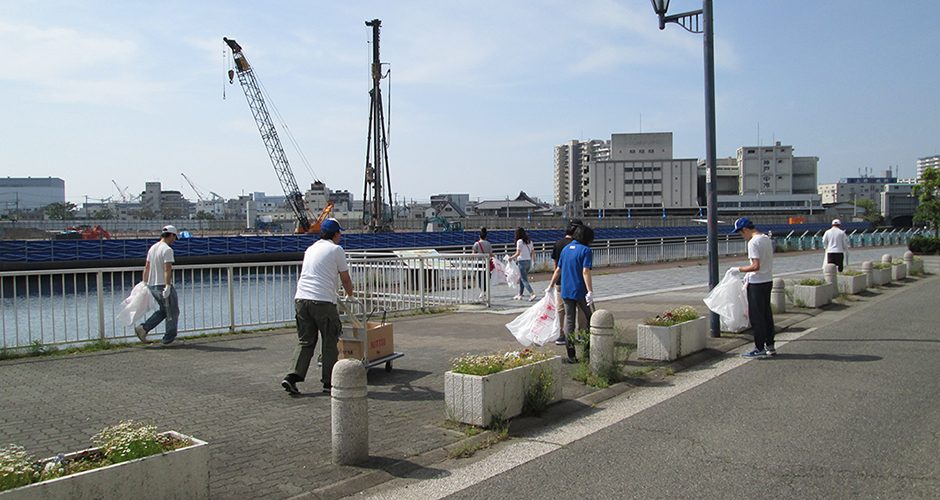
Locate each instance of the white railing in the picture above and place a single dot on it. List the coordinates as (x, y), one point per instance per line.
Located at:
(61, 307)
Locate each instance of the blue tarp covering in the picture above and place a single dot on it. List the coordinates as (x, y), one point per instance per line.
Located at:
(72, 250)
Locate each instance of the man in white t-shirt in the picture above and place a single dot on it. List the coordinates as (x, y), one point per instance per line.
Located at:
(837, 243)
(323, 270)
(760, 277)
(158, 273)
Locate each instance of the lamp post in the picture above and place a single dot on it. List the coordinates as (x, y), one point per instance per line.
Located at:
(701, 21)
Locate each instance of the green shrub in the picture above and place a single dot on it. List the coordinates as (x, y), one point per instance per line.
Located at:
(851, 272)
(928, 245)
(811, 282)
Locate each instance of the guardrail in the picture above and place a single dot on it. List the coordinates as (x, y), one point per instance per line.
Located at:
(62, 307)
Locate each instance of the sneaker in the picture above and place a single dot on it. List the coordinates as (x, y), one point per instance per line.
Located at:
(175, 342)
(141, 333)
(560, 340)
(289, 386)
(532, 298)
(327, 389)
(756, 353)
(771, 351)
(517, 297)
(570, 361)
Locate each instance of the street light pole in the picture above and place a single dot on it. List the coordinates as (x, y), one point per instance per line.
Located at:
(702, 21)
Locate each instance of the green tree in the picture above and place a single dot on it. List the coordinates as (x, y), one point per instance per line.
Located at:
(203, 215)
(61, 211)
(871, 211)
(104, 214)
(147, 213)
(928, 192)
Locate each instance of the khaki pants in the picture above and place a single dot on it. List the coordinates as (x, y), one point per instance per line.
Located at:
(582, 320)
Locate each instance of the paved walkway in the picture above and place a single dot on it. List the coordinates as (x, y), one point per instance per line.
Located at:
(265, 444)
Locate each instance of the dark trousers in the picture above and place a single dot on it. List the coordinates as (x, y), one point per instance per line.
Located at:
(836, 258)
(315, 319)
(762, 316)
(571, 317)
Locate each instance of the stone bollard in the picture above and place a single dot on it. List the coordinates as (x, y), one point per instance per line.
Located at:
(350, 413)
(602, 340)
(909, 259)
(867, 271)
(831, 275)
(886, 259)
(778, 296)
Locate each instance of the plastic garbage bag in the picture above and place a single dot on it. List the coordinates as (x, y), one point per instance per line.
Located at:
(538, 324)
(729, 300)
(512, 272)
(497, 272)
(138, 305)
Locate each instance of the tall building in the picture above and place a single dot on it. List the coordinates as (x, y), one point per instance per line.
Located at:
(169, 204)
(852, 189)
(569, 159)
(925, 163)
(640, 176)
(28, 193)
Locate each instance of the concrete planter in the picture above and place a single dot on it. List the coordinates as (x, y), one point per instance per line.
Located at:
(667, 343)
(178, 474)
(881, 276)
(475, 400)
(916, 266)
(898, 272)
(812, 296)
(852, 284)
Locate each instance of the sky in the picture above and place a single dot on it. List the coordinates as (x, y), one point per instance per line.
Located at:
(480, 92)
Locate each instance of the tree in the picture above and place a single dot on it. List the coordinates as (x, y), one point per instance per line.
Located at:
(61, 211)
(928, 191)
(147, 213)
(871, 211)
(203, 215)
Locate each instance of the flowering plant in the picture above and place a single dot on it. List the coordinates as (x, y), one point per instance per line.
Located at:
(811, 282)
(851, 272)
(674, 317)
(488, 364)
(120, 443)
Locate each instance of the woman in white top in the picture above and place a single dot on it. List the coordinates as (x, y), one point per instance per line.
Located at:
(525, 251)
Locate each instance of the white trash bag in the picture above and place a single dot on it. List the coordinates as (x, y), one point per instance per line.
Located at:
(497, 272)
(512, 272)
(138, 305)
(729, 300)
(538, 324)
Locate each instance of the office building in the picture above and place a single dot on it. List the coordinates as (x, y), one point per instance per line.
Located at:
(30, 193)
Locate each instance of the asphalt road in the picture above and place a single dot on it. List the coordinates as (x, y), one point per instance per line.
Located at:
(848, 409)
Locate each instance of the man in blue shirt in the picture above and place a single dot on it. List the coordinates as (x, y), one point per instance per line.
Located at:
(573, 272)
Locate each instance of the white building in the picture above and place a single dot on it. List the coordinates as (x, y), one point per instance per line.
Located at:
(640, 176)
(852, 189)
(925, 163)
(569, 159)
(27, 193)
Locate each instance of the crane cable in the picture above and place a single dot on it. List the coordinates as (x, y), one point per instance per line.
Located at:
(286, 129)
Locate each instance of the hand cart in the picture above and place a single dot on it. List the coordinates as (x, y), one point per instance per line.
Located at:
(361, 325)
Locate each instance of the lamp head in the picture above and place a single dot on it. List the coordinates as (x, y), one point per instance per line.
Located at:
(660, 7)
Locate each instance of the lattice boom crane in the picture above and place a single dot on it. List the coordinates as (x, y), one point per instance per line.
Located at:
(246, 77)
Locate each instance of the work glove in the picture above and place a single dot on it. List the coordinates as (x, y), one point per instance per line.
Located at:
(166, 291)
(351, 299)
(734, 272)
(589, 298)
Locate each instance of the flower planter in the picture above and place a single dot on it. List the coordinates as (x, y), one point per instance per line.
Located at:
(667, 343)
(898, 272)
(916, 266)
(812, 296)
(881, 276)
(852, 284)
(177, 474)
(475, 399)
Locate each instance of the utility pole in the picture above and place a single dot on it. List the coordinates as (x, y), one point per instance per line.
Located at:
(377, 180)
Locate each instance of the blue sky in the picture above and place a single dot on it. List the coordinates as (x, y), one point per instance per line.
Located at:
(481, 91)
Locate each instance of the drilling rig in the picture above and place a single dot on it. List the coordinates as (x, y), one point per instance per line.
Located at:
(377, 181)
(246, 77)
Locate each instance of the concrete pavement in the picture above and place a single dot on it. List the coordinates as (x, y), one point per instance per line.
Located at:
(265, 444)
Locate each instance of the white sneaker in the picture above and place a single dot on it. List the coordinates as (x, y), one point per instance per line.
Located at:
(517, 297)
(532, 298)
(141, 333)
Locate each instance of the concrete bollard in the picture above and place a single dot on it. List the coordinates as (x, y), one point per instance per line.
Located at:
(831, 275)
(350, 413)
(602, 340)
(867, 271)
(886, 259)
(778, 296)
(909, 259)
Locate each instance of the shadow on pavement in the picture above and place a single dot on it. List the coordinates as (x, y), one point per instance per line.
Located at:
(842, 358)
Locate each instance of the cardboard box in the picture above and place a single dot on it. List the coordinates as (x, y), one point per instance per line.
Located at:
(377, 341)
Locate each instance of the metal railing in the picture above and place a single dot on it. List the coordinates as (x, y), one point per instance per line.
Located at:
(62, 307)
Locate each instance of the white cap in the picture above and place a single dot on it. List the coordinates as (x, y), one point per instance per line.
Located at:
(836, 222)
(171, 229)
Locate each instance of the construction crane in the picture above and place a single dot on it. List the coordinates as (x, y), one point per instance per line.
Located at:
(212, 196)
(120, 190)
(377, 180)
(246, 77)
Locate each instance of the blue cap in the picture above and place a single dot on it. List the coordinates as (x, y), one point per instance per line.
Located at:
(742, 223)
(331, 226)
